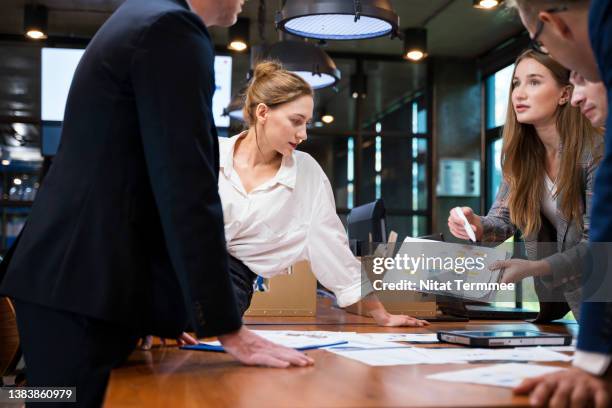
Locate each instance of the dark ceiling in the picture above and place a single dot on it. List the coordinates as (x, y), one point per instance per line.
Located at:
(455, 29)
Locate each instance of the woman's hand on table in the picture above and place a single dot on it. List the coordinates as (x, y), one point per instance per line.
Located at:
(386, 319)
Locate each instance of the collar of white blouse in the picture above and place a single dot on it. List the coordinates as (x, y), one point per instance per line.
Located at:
(286, 174)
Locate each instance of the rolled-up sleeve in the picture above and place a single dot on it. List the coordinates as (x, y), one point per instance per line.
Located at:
(331, 259)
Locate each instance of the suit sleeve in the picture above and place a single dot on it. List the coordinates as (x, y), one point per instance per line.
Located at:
(596, 317)
(173, 81)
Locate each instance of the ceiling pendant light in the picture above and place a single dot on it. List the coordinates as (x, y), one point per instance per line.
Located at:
(415, 44)
(338, 19)
(35, 21)
(302, 58)
(306, 60)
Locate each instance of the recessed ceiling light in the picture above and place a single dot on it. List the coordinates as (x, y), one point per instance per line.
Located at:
(486, 4)
(35, 21)
(239, 35)
(415, 44)
(327, 118)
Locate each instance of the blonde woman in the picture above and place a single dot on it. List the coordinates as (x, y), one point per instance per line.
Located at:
(549, 157)
(278, 205)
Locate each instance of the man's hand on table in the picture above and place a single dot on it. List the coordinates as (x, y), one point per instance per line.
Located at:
(568, 388)
(147, 342)
(248, 348)
(251, 349)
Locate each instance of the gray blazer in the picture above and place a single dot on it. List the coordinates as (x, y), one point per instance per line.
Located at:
(565, 258)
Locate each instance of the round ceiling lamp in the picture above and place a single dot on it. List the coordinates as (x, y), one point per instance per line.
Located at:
(338, 19)
(306, 60)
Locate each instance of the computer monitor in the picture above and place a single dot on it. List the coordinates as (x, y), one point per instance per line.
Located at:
(58, 66)
(367, 224)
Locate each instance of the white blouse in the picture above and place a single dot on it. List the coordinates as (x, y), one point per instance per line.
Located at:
(289, 218)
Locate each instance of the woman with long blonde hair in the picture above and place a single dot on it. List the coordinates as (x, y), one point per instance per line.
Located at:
(549, 157)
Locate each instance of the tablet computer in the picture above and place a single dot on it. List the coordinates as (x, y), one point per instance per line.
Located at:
(504, 338)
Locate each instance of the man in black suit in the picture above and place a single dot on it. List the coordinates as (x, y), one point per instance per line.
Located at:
(126, 235)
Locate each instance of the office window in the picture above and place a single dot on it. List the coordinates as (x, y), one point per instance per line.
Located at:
(419, 116)
(494, 170)
(378, 165)
(497, 93)
(350, 172)
(419, 174)
(395, 166)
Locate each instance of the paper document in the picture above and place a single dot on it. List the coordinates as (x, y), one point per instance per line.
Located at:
(407, 337)
(300, 340)
(571, 347)
(502, 375)
(413, 355)
(462, 355)
(447, 269)
(359, 341)
(383, 357)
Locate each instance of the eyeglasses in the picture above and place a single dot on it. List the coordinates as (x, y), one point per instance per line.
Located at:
(536, 45)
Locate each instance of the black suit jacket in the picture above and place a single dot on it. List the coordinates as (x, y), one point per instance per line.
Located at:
(128, 225)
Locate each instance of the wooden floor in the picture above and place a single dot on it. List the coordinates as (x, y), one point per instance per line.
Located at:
(169, 377)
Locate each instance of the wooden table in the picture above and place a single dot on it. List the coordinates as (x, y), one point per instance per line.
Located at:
(169, 377)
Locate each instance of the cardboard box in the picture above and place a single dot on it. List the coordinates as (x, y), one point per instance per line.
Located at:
(288, 295)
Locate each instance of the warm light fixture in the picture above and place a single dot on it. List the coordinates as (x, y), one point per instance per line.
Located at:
(486, 4)
(239, 35)
(359, 85)
(6, 162)
(327, 118)
(415, 44)
(323, 117)
(306, 60)
(35, 21)
(338, 19)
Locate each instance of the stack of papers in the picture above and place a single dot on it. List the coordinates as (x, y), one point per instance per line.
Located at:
(502, 375)
(412, 355)
(310, 339)
(383, 349)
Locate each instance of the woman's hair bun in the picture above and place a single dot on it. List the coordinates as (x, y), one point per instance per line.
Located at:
(266, 68)
(272, 85)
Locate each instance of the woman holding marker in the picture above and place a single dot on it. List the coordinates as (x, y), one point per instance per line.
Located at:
(549, 157)
(278, 205)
